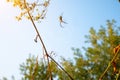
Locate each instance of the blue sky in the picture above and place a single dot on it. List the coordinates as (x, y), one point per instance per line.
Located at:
(17, 38)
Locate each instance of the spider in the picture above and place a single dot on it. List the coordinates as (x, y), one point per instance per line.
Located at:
(61, 20)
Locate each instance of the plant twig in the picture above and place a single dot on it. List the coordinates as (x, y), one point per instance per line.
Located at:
(118, 74)
(43, 45)
(39, 37)
(110, 63)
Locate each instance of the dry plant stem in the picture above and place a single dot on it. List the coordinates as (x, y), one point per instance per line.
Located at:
(45, 47)
(117, 76)
(39, 38)
(41, 42)
(110, 63)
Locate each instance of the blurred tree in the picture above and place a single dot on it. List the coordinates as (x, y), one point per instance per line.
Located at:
(30, 72)
(4, 78)
(100, 53)
(33, 69)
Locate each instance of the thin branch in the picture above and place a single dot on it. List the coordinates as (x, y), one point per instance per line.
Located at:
(110, 63)
(118, 74)
(43, 45)
(38, 36)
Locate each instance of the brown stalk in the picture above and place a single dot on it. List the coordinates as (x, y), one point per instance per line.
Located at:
(43, 45)
(110, 63)
(38, 37)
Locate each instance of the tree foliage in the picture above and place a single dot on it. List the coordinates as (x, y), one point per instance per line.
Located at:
(101, 52)
(33, 69)
(37, 9)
